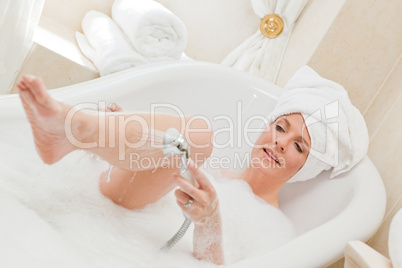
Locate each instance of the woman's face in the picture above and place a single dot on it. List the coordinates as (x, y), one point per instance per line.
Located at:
(282, 148)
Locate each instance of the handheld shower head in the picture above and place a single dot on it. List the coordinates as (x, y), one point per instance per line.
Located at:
(175, 143)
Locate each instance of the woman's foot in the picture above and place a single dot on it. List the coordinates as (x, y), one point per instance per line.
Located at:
(46, 117)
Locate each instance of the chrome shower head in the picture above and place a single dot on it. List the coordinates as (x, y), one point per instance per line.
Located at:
(175, 143)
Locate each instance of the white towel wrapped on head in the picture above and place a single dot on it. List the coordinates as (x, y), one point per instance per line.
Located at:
(338, 132)
(153, 30)
(105, 44)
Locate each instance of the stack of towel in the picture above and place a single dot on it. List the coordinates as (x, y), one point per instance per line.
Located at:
(139, 32)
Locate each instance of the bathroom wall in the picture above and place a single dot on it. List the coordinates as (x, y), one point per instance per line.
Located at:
(363, 51)
(229, 23)
(76, 10)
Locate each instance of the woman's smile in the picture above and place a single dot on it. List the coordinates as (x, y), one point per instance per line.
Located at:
(271, 156)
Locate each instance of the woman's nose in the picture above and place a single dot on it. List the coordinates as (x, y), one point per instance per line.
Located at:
(281, 145)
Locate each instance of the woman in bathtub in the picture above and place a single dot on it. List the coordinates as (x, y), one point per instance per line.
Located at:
(287, 150)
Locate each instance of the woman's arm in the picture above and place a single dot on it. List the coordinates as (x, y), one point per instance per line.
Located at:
(207, 242)
(204, 212)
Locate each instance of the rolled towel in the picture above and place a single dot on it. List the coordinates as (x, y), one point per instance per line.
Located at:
(338, 132)
(153, 30)
(105, 44)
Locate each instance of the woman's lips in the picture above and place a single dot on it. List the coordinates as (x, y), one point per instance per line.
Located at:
(271, 155)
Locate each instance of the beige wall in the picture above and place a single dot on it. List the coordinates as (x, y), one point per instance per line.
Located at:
(362, 51)
(76, 11)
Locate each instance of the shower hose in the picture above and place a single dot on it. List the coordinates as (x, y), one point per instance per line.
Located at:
(180, 233)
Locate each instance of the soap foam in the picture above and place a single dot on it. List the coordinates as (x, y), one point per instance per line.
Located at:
(250, 225)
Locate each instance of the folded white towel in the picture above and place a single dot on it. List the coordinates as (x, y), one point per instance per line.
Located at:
(339, 136)
(105, 44)
(153, 30)
(395, 240)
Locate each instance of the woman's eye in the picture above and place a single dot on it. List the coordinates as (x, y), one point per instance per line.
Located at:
(279, 128)
(298, 148)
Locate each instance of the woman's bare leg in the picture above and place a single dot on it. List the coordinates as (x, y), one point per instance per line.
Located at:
(135, 189)
(58, 129)
(53, 140)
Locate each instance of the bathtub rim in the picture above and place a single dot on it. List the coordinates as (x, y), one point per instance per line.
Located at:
(87, 87)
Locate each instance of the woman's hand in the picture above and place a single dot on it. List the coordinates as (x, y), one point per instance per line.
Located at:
(203, 210)
(198, 203)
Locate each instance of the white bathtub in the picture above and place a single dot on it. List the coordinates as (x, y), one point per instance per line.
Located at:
(327, 213)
